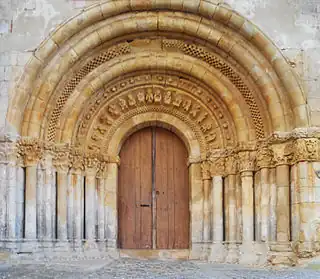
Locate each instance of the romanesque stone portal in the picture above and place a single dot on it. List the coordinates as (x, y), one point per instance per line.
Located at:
(193, 67)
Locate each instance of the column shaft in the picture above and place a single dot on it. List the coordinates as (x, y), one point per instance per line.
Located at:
(264, 203)
(12, 200)
(62, 203)
(70, 207)
(247, 205)
(20, 202)
(90, 207)
(78, 201)
(196, 202)
(48, 181)
(101, 217)
(111, 204)
(30, 202)
(257, 204)
(206, 209)
(273, 206)
(283, 203)
(231, 211)
(217, 206)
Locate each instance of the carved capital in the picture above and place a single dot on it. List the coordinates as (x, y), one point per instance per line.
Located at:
(205, 168)
(217, 166)
(306, 150)
(231, 164)
(91, 164)
(282, 154)
(61, 158)
(77, 161)
(31, 151)
(264, 158)
(246, 161)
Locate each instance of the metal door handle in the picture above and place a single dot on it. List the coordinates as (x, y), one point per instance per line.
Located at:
(145, 205)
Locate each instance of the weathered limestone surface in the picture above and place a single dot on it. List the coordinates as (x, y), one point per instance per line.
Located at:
(244, 101)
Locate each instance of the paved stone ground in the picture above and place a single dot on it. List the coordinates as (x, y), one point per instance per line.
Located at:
(140, 269)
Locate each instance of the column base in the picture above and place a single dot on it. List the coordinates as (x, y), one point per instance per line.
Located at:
(218, 253)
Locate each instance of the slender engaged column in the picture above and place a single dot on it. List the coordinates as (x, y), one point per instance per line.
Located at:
(111, 204)
(90, 203)
(62, 181)
(101, 217)
(231, 208)
(196, 202)
(247, 205)
(264, 203)
(273, 206)
(206, 200)
(3, 202)
(12, 192)
(257, 204)
(40, 201)
(31, 201)
(20, 200)
(283, 203)
(70, 206)
(217, 202)
(48, 196)
(77, 183)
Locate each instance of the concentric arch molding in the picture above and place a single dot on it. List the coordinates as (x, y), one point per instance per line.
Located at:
(193, 50)
(167, 93)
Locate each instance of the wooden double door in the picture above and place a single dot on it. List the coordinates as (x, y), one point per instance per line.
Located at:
(153, 193)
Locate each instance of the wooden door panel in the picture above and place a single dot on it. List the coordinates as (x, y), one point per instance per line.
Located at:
(171, 182)
(135, 182)
(171, 208)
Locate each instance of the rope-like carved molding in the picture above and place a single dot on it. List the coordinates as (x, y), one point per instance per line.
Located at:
(111, 53)
(214, 61)
(166, 90)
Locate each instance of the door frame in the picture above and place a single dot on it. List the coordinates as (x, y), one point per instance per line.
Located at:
(195, 152)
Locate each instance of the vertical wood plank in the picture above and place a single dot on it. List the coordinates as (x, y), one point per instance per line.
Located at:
(181, 183)
(161, 181)
(135, 229)
(145, 164)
